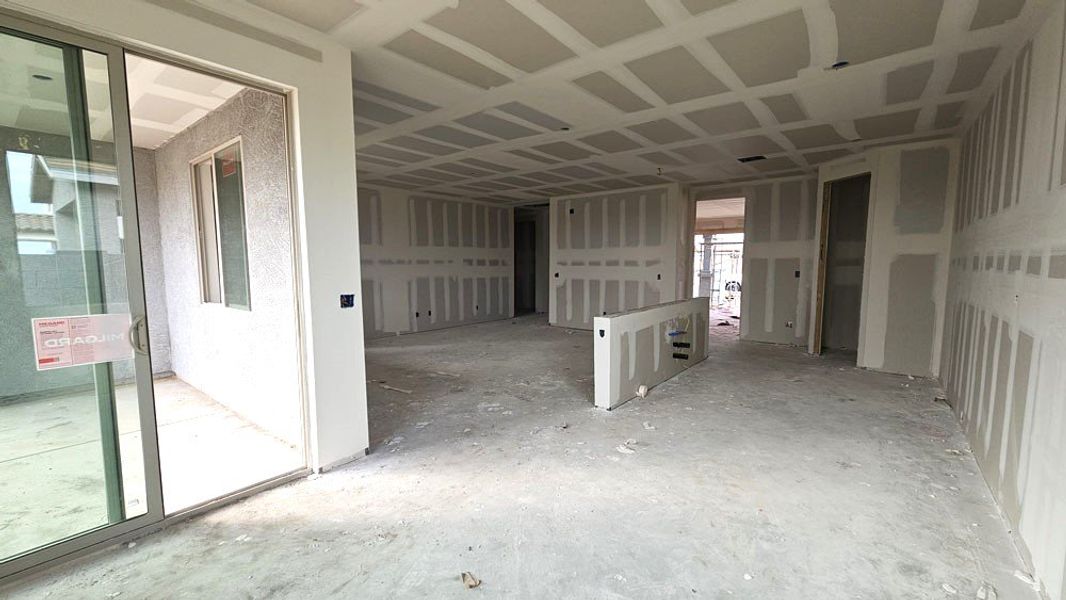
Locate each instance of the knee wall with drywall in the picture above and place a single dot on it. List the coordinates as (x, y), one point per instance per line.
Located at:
(644, 347)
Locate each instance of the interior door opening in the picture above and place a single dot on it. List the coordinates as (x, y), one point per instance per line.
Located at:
(845, 212)
(718, 262)
(530, 260)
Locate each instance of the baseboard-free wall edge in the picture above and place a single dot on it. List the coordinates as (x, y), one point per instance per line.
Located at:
(343, 461)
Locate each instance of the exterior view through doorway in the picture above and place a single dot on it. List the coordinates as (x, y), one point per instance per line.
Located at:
(718, 262)
(149, 350)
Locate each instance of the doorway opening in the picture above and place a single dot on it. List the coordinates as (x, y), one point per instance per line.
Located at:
(719, 259)
(211, 172)
(530, 260)
(841, 265)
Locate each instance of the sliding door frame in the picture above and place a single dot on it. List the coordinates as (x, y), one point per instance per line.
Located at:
(156, 518)
(135, 292)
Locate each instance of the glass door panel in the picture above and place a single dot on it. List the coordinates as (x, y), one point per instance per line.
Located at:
(72, 457)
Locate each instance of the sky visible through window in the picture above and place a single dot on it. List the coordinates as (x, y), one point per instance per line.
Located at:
(19, 174)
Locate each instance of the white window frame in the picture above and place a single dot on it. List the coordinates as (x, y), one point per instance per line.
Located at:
(201, 251)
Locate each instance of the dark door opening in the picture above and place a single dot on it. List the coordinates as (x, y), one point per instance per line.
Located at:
(847, 205)
(530, 260)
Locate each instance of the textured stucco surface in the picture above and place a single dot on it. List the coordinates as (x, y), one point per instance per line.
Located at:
(245, 359)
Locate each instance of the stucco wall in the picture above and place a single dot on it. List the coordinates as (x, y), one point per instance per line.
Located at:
(244, 359)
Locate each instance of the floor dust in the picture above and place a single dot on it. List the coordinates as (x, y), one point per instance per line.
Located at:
(759, 473)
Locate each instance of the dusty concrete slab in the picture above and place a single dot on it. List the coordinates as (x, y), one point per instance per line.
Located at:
(759, 473)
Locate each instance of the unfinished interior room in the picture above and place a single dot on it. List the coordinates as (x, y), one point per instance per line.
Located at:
(533, 299)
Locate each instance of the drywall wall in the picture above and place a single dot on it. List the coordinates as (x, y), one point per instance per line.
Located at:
(318, 72)
(244, 359)
(617, 251)
(846, 249)
(1005, 343)
(906, 267)
(646, 346)
(779, 252)
(152, 259)
(432, 262)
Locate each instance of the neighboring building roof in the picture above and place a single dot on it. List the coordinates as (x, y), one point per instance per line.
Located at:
(27, 223)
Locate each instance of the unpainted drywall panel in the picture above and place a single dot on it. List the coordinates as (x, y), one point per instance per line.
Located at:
(912, 192)
(616, 249)
(755, 289)
(785, 299)
(431, 263)
(758, 213)
(778, 245)
(645, 347)
(923, 190)
(911, 314)
(789, 208)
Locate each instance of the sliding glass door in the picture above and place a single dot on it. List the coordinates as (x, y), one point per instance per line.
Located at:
(78, 452)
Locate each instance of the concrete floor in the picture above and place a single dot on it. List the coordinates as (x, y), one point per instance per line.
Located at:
(51, 460)
(760, 473)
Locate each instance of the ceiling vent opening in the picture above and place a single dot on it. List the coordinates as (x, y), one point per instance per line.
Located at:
(748, 159)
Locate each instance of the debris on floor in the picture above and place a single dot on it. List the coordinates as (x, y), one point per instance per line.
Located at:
(987, 591)
(1028, 580)
(648, 426)
(395, 389)
(947, 587)
(470, 581)
(626, 448)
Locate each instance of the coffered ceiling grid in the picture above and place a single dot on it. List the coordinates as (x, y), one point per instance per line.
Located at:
(654, 90)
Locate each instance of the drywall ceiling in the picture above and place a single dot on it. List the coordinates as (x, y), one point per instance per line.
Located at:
(165, 100)
(518, 100)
